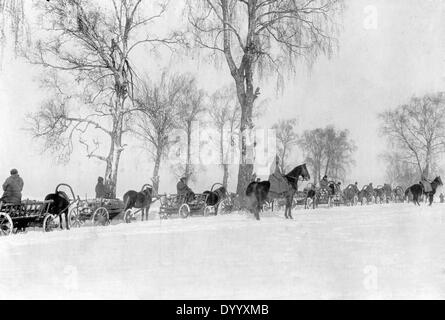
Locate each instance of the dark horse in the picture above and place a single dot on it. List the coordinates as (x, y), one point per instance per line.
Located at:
(417, 190)
(60, 204)
(258, 192)
(139, 200)
(213, 197)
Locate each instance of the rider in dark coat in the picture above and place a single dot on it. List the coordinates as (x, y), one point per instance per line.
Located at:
(12, 188)
(425, 184)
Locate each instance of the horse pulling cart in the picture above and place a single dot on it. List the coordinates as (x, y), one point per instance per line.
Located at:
(213, 202)
(44, 214)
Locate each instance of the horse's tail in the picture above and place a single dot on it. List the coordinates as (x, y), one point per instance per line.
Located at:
(407, 191)
(126, 201)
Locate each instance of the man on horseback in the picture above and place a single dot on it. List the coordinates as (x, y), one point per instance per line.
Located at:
(278, 183)
(426, 185)
(12, 188)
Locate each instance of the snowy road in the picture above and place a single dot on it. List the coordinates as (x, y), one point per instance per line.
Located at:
(380, 251)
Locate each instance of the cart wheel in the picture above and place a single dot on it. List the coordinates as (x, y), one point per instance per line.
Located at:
(224, 207)
(128, 216)
(208, 210)
(309, 202)
(50, 223)
(101, 217)
(74, 218)
(184, 210)
(6, 224)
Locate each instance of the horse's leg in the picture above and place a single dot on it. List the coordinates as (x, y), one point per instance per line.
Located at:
(289, 203)
(61, 221)
(256, 210)
(66, 221)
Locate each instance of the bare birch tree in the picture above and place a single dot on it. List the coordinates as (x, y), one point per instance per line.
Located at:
(287, 138)
(13, 24)
(327, 151)
(225, 116)
(191, 104)
(92, 44)
(417, 130)
(159, 105)
(261, 37)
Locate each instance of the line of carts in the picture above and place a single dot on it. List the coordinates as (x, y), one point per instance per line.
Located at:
(16, 218)
(100, 212)
(313, 197)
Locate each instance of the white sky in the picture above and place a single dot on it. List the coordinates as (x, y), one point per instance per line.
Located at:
(375, 69)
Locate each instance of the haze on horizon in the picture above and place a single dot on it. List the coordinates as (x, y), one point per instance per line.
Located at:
(381, 64)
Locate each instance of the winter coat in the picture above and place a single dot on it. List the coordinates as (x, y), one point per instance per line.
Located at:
(101, 191)
(12, 188)
(183, 189)
(324, 183)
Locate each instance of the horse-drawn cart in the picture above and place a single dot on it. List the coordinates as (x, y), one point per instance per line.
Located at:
(183, 205)
(15, 217)
(213, 202)
(99, 212)
(218, 200)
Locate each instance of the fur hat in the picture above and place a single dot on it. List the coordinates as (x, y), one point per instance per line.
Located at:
(14, 171)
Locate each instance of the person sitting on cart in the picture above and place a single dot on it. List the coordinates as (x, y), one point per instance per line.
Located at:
(13, 188)
(183, 190)
(338, 186)
(324, 183)
(102, 191)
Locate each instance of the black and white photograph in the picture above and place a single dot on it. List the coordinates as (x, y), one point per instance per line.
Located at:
(222, 150)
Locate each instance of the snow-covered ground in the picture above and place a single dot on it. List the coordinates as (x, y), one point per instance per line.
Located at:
(380, 251)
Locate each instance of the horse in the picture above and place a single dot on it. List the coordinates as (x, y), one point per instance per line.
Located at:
(398, 193)
(59, 206)
(213, 197)
(367, 193)
(139, 200)
(351, 194)
(258, 192)
(383, 193)
(417, 191)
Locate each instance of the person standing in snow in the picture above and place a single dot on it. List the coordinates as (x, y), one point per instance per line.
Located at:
(12, 188)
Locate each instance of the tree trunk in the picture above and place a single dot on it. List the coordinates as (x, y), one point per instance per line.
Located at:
(188, 166)
(246, 158)
(426, 170)
(115, 149)
(222, 154)
(327, 167)
(225, 175)
(156, 179)
(112, 168)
